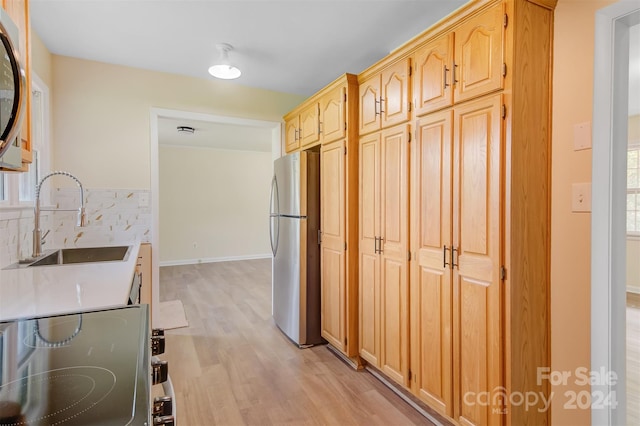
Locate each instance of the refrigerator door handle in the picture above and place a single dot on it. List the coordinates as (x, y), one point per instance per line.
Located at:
(274, 216)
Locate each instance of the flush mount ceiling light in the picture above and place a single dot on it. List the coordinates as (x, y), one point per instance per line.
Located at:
(186, 130)
(223, 69)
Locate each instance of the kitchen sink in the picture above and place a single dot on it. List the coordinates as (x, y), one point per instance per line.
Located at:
(68, 256)
(83, 255)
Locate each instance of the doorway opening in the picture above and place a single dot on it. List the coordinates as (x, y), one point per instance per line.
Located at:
(615, 321)
(163, 118)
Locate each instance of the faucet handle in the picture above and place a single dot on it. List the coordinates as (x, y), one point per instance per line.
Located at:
(42, 238)
(82, 217)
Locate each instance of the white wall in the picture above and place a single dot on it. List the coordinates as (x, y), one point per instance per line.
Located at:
(214, 204)
(101, 129)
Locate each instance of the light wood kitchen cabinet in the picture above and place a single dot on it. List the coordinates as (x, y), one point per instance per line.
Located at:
(339, 216)
(143, 267)
(333, 254)
(430, 275)
(480, 200)
(478, 60)
(291, 131)
(369, 258)
(302, 127)
(433, 77)
(384, 322)
(384, 97)
(333, 123)
(18, 10)
(456, 296)
(309, 133)
(461, 64)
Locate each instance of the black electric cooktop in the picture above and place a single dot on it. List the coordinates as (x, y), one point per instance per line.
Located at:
(89, 368)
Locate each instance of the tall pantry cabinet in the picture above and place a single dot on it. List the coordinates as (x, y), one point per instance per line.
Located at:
(339, 215)
(384, 219)
(327, 122)
(480, 203)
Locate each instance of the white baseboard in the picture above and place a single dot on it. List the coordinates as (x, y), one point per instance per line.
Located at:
(213, 260)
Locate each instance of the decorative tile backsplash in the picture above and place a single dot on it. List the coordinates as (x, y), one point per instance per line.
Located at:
(114, 216)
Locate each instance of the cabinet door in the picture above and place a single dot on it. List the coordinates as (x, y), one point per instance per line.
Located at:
(310, 125)
(18, 10)
(395, 93)
(432, 82)
(369, 278)
(476, 237)
(478, 55)
(332, 225)
(332, 115)
(394, 218)
(431, 292)
(369, 98)
(291, 131)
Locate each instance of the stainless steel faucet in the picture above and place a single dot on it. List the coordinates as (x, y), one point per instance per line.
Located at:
(37, 237)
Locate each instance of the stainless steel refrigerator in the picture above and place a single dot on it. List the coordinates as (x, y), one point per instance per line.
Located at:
(294, 225)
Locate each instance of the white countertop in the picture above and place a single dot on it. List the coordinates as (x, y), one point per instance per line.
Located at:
(51, 290)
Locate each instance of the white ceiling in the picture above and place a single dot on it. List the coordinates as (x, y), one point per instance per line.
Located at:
(291, 46)
(215, 135)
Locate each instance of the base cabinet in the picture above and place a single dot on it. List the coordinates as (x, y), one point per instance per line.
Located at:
(143, 267)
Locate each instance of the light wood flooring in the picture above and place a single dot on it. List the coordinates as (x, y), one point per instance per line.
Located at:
(232, 366)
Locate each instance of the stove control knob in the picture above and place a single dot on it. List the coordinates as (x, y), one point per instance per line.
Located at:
(157, 332)
(164, 420)
(159, 372)
(162, 406)
(157, 345)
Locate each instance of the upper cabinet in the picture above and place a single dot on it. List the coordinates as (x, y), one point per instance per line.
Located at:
(310, 125)
(302, 127)
(333, 124)
(323, 118)
(433, 82)
(18, 10)
(461, 64)
(384, 97)
(291, 130)
(478, 65)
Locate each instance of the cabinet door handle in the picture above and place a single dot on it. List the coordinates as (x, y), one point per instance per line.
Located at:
(455, 79)
(375, 106)
(380, 239)
(375, 245)
(453, 257)
(381, 110)
(444, 256)
(446, 70)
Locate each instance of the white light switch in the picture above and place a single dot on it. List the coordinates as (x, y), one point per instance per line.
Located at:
(581, 197)
(582, 136)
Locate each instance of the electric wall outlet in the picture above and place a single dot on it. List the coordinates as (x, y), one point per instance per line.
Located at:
(581, 197)
(582, 136)
(143, 200)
